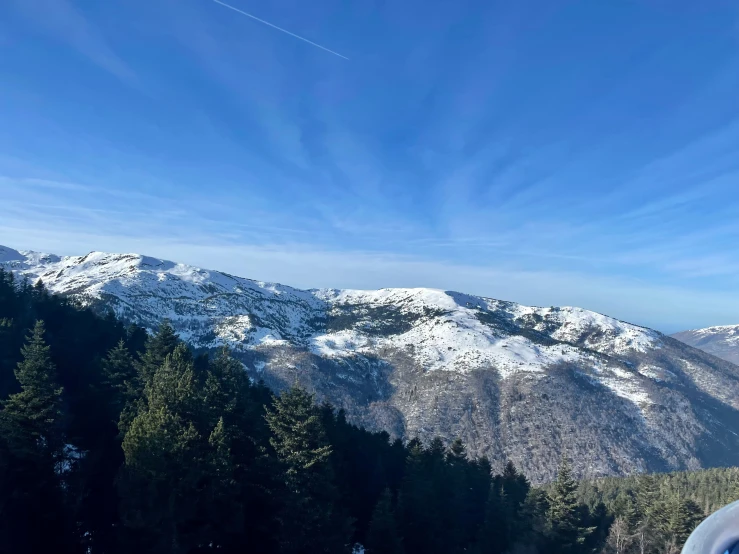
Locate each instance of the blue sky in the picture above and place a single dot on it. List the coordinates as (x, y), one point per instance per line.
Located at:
(543, 151)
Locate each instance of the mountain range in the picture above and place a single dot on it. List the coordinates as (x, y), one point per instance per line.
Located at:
(721, 341)
(520, 383)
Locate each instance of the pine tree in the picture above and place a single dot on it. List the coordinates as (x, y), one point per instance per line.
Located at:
(310, 519)
(682, 517)
(32, 453)
(36, 411)
(494, 536)
(648, 501)
(170, 464)
(120, 377)
(568, 533)
(382, 534)
(631, 514)
(428, 502)
(9, 351)
(516, 489)
(515, 484)
(224, 511)
(158, 482)
(158, 347)
(230, 400)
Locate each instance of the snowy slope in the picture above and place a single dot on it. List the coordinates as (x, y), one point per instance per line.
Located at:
(426, 362)
(721, 341)
(449, 331)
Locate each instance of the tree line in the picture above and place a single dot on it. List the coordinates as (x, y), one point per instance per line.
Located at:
(116, 441)
(656, 513)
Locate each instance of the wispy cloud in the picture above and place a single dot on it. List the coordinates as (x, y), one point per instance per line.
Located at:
(62, 20)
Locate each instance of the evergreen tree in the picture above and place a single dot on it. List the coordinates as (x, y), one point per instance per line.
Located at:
(427, 525)
(682, 517)
(236, 407)
(310, 520)
(516, 489)
(177, 474)
(8, 356)
(120, 378)
(534, 518)
(494, 536)
(568, 533)
(630, 514)
(515, 485)
(32, 456)
(36, 411)
(382, 534)
(648, 504)
(158, 347)
(224, 511)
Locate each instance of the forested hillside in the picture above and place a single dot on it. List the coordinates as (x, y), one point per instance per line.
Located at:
(657, 512)
(112, 441)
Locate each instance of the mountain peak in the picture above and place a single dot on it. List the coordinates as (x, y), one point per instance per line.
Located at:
(9, 255)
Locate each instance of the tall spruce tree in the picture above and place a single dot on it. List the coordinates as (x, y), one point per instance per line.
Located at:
(36, 411)
(494, 536)
(310, 520)
(568, 532)
(174, 464)
(382, 534)
(120, 378)
(417, 504)
(236, 408)
(158, 347)
(8, 355)
(682, 516)
(32, 452)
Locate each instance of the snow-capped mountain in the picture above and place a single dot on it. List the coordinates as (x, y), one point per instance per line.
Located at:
(721, 341)
(514, 382)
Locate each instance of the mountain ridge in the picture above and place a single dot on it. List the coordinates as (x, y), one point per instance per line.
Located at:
(516, 382)
(720, 340)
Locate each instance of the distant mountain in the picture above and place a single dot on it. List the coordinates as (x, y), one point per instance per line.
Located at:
(514, 382)
(722, 341)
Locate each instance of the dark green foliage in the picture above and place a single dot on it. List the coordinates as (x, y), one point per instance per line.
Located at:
(660, 510)
(682, 515)
(310, 516)
(158, 347)
(566, 519)
(383, 533)
(32, 453)
(120, 378)
(495, 534)
(35, 413)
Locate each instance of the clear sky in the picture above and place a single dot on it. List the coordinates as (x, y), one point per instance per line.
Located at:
(543, 151)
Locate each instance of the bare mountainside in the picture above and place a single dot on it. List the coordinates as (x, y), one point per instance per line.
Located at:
(515, 382)
(722, 341)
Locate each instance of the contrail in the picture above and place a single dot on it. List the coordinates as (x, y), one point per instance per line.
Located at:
(279, 28)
